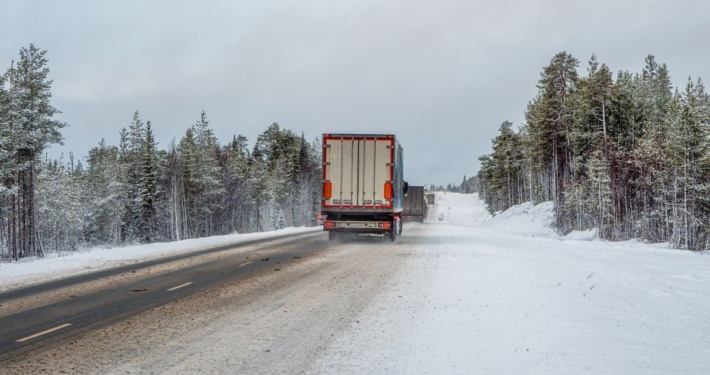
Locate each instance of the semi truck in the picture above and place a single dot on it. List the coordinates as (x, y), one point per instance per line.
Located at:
(363, 184)
(414, 206)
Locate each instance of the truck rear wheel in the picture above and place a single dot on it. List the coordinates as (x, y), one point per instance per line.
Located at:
(393, 234)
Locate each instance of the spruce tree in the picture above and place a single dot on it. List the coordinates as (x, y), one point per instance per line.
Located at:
(135, 144)
(148, 186)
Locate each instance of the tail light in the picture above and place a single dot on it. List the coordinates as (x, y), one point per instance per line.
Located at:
(384, 225)
(329, 224)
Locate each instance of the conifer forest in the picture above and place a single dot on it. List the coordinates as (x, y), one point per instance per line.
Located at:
(136, 191)
(627, 154)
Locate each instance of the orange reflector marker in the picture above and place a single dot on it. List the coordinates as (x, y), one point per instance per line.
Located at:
(388, 190)
(327, 190)
(385, 225)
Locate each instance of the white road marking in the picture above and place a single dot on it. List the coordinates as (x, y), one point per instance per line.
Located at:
(242, 265)
(44, 332)
(179, 286)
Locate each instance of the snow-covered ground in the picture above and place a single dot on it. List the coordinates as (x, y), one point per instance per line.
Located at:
(469, 294)
(504, 295)
(55, 266)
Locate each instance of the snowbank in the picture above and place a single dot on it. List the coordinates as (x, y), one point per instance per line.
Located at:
(468, 210)
(478, 300)
(464, 209)
(56, 266)
(581, 235)
(526, 219)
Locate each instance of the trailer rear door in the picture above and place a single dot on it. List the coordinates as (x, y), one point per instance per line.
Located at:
(358, 172)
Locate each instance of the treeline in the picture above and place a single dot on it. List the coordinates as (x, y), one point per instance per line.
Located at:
(469, 185)
(136, 192)
(629, 156)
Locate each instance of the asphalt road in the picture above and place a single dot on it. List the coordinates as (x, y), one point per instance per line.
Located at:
(72, 314)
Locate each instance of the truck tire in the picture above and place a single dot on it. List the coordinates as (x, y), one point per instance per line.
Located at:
(399, 224)
(393, 234)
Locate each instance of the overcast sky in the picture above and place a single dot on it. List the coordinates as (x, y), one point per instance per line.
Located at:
(442, 75)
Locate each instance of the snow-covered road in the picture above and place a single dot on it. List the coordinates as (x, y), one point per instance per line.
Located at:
(505, 296)
(467, 294)
(30, 271)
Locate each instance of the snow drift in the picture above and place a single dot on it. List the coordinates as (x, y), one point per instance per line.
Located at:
(526, 219)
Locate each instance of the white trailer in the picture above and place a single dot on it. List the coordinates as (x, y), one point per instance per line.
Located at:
(362, 184)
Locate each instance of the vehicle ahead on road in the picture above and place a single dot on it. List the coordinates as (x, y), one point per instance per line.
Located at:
(363, 184)
(414, 207)
(430, 198)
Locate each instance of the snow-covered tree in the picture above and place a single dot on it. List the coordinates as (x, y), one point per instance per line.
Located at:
(625, 156)
(28, 124)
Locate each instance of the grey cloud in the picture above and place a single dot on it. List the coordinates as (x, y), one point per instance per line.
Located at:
(442, 75)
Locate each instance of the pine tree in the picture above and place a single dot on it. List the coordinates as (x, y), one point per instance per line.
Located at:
(557, 85)
(62, 207)
(148, 186)
(600, 201)
(207, 174)
(187, 150)
(31, 129)
(624, 128)
(104, 195)
(135, 143)
(7, 167)
(259, 191)
(235, 175)
(689, 155)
